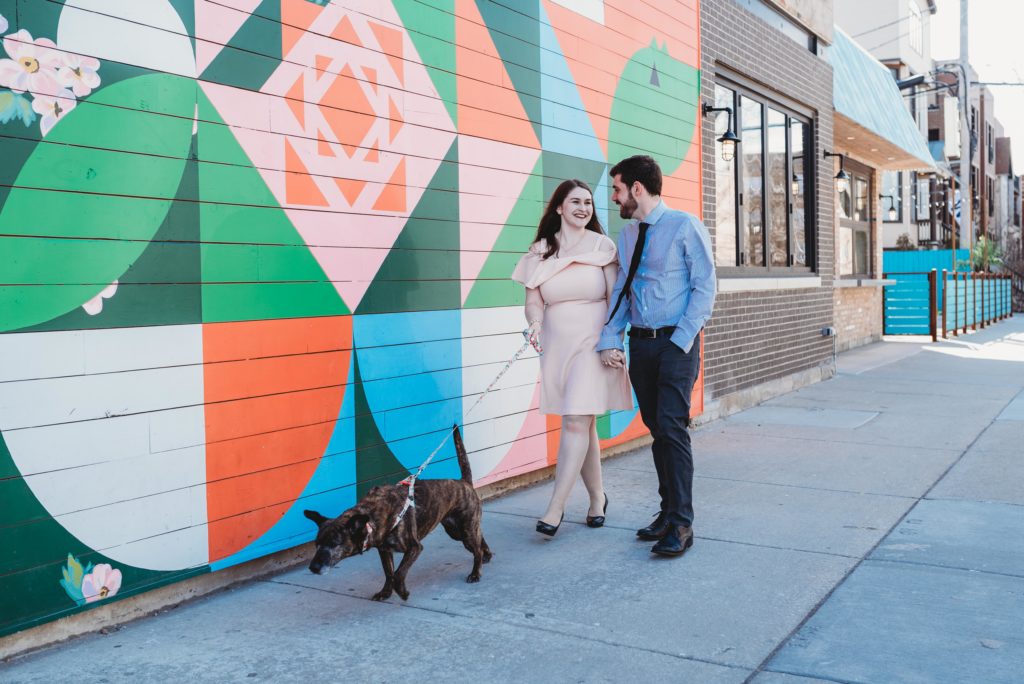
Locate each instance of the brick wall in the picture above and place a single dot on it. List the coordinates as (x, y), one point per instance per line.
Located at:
(858, 315)
(756, 336)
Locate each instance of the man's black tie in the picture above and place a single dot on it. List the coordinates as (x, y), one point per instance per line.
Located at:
(634, 264)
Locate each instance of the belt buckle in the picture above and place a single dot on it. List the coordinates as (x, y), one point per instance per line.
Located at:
(647, 333)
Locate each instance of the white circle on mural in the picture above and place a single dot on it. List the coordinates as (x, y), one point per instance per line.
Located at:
(107, 429)
(147, 34)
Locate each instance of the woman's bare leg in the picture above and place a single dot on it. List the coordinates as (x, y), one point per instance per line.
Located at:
(591, 473)
(572, 452)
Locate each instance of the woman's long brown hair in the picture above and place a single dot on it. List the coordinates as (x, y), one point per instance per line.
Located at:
(551, 221)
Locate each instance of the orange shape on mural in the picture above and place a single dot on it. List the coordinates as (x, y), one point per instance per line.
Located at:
(299, 187)
(391, 43)
(323, 148)
(346, 31)
(373, 155)
(295, 98)
(396, 119)
(350, 188)
(296, 18)
(270, 409)
(371, 77)
(487, 108)
(347, 110)
(393, 196)
(322, 63)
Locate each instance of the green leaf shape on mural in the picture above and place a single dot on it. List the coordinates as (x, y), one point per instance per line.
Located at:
(255, 264)
(111, 203)
(14, 106)
(73, 576)
(655, 109)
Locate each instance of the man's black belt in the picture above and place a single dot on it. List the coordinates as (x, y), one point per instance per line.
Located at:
(651, 333)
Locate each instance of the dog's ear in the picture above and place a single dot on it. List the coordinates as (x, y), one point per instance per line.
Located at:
(357, 522)
(315, 517)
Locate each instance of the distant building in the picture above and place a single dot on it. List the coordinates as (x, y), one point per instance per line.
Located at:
(898, 34)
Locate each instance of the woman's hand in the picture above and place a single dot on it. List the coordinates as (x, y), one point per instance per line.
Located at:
(533, 335)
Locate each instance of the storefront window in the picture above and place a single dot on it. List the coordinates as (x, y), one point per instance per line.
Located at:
(797, 143)
(751, 113)
(855, 219)
(764, 196)
(778, 189)
(725, 187)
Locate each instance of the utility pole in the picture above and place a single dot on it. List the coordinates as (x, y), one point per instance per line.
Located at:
(982, 166)
(966, 227)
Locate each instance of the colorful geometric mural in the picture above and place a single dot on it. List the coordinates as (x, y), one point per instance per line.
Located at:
(256, 258)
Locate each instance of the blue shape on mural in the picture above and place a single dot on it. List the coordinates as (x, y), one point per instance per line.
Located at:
(330, 490)
(565, 126)
(410, 365)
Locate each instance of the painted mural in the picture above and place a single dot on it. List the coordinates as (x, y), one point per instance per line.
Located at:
(254, 258)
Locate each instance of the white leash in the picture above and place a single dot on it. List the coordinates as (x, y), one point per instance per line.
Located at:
(410, 499)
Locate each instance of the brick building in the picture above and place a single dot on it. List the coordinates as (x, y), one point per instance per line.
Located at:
(770, 214)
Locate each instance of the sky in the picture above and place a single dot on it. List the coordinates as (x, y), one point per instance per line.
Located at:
(995, 51)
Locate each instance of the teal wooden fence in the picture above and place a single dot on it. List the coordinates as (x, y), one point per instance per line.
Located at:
(974, 300)
(909, 304)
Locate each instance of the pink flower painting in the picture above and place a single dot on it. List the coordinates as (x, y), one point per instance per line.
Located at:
(103, 582)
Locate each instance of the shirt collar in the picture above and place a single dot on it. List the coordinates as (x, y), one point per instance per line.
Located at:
(655, 214)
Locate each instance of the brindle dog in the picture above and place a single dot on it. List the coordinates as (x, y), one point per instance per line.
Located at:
(370, 523)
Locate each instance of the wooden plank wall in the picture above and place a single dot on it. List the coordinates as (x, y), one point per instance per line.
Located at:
(254, 258)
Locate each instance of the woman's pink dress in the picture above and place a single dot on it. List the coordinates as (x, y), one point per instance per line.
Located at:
(573, 379)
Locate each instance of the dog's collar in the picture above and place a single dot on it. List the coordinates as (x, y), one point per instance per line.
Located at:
(369, 531)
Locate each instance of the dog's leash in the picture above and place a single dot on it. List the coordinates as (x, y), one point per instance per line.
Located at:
(410, 499)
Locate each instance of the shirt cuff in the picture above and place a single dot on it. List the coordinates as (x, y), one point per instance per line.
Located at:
(610, 342)
(683, 339)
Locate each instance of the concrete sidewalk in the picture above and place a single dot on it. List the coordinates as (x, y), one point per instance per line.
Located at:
(864, 529)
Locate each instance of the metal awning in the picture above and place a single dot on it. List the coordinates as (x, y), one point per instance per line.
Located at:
(871, 120)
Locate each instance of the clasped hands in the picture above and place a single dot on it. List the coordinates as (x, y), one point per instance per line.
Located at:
(614, 358)
(533, 335)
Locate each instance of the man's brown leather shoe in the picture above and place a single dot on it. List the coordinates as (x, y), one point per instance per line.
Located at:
(675, 543)
(656, 530)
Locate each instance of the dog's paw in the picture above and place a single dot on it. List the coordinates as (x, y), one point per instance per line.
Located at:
(382, 595)
(473, 578)
(488, 557)
(402, 592)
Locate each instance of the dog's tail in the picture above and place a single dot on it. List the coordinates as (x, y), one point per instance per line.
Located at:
(460, 451)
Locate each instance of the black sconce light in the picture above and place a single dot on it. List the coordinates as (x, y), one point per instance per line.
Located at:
(892, 206)
(795, 185)
(842, 178)
(729, 139)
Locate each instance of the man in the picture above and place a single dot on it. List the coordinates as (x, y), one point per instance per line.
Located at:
(665, 290)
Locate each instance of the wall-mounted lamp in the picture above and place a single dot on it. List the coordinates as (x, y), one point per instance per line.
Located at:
(795, 185)
(729, 138)
(892, 206)
(842, 178)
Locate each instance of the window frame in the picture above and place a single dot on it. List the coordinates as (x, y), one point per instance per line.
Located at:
(862, 173)
(793, 111)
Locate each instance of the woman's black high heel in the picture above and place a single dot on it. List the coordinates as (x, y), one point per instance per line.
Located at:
(598, 520)
(547, 529)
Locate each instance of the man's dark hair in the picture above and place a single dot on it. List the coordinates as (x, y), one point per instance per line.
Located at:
(641, 168)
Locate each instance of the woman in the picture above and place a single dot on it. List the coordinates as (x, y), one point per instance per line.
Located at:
(569, 273)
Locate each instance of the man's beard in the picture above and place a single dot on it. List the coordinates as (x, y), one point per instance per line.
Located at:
(628, 208)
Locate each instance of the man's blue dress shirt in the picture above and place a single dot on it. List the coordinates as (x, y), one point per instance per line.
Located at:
(674, 284)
